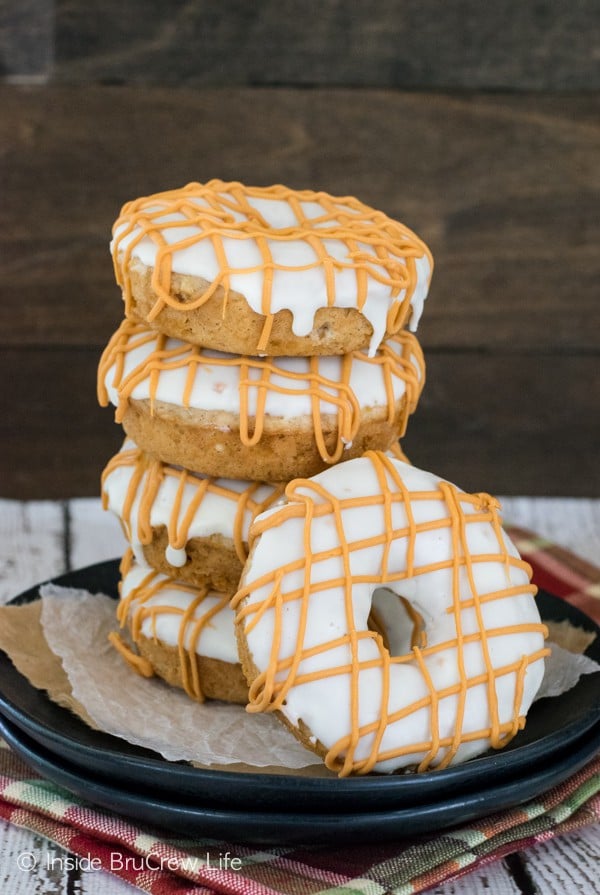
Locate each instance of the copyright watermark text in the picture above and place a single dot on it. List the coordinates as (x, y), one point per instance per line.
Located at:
(29, 861)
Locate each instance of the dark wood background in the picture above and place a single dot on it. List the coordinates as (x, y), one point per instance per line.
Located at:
(476, 124)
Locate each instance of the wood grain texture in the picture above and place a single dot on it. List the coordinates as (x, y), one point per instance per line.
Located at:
(49, 877)
(505, 190)
(26, 40)
(38, 535)
(573, 523)
(95, 535)
(55, 443)
(553, 872)
(32, 544)
(510, 424)
(486, 422)
(391, 43)
(493, 880)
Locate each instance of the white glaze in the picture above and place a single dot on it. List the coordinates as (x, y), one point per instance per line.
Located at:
(217, 639)
(216, 387)
(302, 292)
(215, 514)
(324, 705)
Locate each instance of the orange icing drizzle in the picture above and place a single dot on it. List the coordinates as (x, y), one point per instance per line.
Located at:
(145, 482)
(398, 453)
(268, 691)
(141, 666)
(395, 357)
(193, 620)
(391, 260)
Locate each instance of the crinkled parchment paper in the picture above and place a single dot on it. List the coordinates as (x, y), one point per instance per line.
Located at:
(60, 644)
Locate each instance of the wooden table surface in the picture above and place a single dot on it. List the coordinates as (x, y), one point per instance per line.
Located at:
(475, 123)
(503, 188)
(39, 539)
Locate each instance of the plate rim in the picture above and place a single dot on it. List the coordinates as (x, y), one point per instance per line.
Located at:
(315, 785)
(356, 825)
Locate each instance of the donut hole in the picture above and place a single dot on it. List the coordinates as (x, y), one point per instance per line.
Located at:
(400, 625)
(462, 656)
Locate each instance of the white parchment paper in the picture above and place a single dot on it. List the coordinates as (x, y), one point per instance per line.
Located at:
(147, 712)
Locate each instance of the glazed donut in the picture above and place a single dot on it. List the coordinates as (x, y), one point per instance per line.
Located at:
(268, 270)
(458, 680)
(183, 634)
(191, 527)
(265, 419)
(188, 526)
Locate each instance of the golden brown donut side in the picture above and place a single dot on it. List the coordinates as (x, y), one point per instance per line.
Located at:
(219, 679)
(229, 323)
(210, 442)
(212, 561)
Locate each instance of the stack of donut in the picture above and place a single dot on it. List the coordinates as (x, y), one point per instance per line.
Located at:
(280, 546)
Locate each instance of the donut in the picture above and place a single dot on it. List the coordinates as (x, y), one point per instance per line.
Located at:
(190, 527)
(183, 634)
(268, 270)
(455, 681)
(265, 419)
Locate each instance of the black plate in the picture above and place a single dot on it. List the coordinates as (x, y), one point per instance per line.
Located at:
(277, 828)
(554, 728)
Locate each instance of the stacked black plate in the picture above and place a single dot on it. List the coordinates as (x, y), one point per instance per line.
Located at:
(561, 735)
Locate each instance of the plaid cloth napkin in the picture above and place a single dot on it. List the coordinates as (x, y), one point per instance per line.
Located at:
(164, 865)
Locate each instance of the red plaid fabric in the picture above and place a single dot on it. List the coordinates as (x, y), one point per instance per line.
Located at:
(560, 572)
(164, 864)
